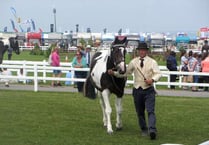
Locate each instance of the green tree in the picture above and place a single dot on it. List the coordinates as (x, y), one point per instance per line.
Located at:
(36, 50)
(90, 42)
(82, 42)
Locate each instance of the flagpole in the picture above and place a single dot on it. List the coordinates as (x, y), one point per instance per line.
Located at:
(55, 27)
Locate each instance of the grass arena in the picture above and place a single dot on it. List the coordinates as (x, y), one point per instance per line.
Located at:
(67, 118)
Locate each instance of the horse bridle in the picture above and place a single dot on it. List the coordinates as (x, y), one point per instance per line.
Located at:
(115, 61)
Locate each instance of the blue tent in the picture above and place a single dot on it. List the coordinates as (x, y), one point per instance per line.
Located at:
(182, 39)
(142, 39)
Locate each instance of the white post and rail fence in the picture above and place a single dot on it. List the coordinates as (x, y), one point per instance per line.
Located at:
(41, 71)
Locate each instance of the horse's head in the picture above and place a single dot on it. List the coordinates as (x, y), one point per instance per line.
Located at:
(118, 56)
(118, 52)
(14, 44)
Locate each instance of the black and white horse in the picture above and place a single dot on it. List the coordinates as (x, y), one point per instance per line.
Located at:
(102, 61)
(5, 43)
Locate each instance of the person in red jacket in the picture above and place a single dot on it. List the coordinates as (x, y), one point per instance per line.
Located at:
(55, 58)
(205, 68)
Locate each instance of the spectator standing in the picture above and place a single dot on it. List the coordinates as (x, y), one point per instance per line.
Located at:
(172, 66)
(200, 78)
(55, 62)
(10, 49)
(21, 73)
(50, 57)
(192, 64)
(146, 72)
(197, 68)
(79, 61)
(184, 66)
(205, 69)
(205, 48)
(88, 55)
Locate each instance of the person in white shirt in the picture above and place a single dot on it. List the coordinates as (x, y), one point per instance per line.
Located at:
(88, 55)
(22, 73)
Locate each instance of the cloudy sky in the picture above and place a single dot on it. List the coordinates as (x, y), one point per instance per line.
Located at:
(134, 15)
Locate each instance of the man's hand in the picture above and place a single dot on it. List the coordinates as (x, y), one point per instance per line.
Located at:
(149, 82)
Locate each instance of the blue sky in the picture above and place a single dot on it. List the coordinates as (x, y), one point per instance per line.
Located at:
(135, 15)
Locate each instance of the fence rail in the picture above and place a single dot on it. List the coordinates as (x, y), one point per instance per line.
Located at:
(39, 69)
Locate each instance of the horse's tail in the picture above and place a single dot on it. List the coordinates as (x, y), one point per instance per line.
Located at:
(89, 89)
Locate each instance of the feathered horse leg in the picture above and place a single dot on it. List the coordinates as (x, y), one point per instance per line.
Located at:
(119, 109)
(107, 109)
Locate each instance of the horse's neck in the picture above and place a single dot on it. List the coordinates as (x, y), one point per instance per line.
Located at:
(106, 52)
(104, 55)
(109, 59)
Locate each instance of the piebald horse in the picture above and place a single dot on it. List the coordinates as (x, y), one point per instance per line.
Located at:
(102, 61)
(5, 43)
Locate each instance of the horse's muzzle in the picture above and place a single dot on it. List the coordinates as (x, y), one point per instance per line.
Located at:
(122, 68)
(122, 72)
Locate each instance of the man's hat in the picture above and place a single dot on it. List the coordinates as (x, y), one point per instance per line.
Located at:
(88, 46)
(143, 45)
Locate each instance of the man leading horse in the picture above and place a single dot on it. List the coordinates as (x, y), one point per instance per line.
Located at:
(146, 72)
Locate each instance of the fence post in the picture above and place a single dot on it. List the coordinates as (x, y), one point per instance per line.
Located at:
(24, 70)
(180, 80)
(169, 78)
(35, 78)
(72, 75)
(44, 71)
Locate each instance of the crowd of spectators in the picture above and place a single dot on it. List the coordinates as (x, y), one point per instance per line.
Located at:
(190, 62)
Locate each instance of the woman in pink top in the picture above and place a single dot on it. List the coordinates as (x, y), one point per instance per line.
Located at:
(205, 68)
(56, 63)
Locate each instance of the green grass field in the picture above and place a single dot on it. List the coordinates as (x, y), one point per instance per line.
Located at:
(54, 118)
(25, 55)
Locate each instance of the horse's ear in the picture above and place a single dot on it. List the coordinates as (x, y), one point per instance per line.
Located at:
(120, 40)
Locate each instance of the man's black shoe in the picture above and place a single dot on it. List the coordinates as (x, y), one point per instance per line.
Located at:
(152, 135)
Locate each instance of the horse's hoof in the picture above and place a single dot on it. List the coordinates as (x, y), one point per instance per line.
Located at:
(110, 132)
(119, 128)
